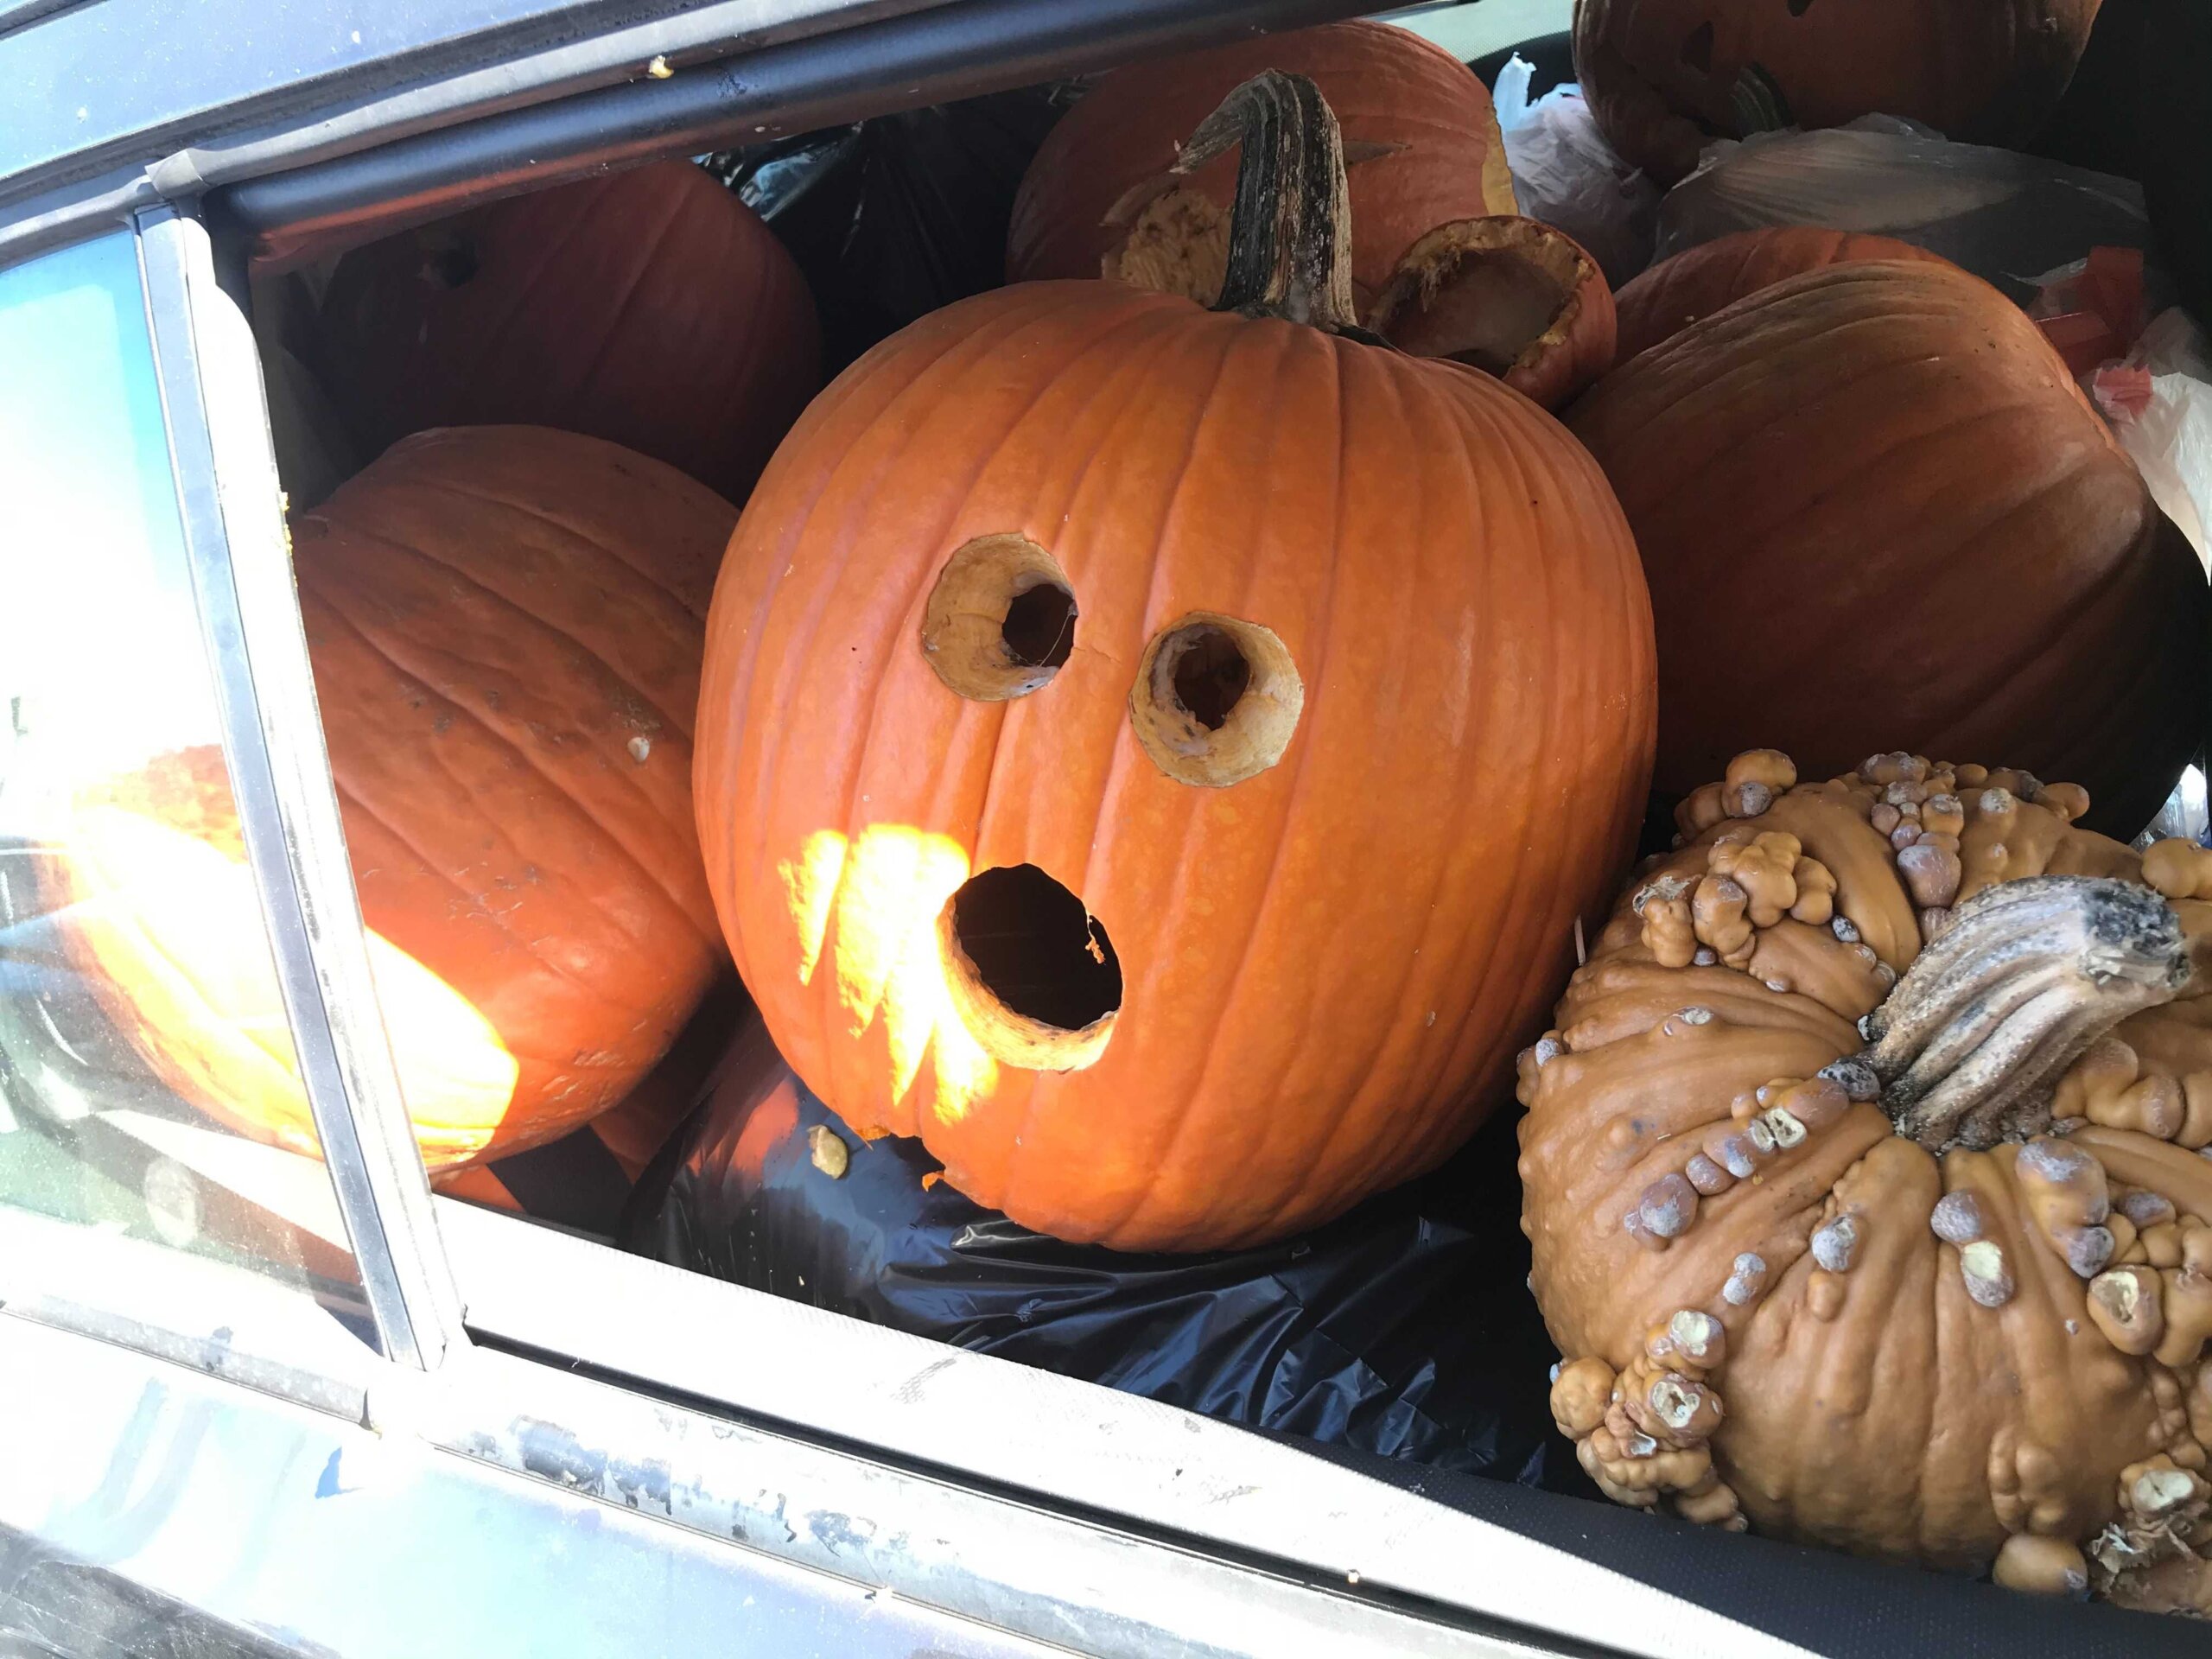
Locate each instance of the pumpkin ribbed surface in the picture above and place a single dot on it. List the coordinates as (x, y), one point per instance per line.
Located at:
(1665, 77)
(1700, 281)
(1387, 86)
(507, 698)
(1323, 965)
(649, 308)
(1870, 501)
(1974, 1332)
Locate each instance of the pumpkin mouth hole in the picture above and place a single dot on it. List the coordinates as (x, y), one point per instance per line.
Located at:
(1001, 621)
(1033, 974)
(1494, 294)
(1217, 700)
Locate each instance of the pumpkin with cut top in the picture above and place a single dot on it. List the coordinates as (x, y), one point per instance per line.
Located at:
(1158, 755)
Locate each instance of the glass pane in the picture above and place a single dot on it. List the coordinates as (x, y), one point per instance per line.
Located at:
(148, 1082)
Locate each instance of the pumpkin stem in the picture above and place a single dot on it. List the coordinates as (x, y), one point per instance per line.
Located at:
(1971, 1044)
(1290, 228)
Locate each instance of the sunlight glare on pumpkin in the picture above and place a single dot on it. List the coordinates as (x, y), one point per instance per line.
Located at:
(168, 927)
(882, 893)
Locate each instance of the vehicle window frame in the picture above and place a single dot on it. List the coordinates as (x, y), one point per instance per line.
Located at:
(651, 1332)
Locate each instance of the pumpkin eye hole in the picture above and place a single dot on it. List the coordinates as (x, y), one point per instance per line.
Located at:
(1216, 701)
(1032, 973)
(1001, 621)
(1697, 50)
(1039, 626)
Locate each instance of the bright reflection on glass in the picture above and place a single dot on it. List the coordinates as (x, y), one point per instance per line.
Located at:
(140, 1020)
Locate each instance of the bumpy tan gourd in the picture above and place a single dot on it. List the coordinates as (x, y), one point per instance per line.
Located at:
(1863, 1175)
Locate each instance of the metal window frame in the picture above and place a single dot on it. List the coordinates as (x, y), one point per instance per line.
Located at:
(224, 472)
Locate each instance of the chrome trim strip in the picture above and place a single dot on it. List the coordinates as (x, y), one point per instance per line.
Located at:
(227, 494)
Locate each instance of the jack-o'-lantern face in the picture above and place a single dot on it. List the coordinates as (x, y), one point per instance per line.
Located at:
(1157, 756)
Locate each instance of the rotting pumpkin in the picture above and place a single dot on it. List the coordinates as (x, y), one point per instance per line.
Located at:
(506, 660)
(1862, 1174)
(1158, 756)
(1664, 77)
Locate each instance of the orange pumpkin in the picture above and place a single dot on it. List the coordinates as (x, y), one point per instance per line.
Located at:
(1098, 200)
(650, 308)
(1664, 77)
(1870, 501)
(1863, 1179)
(1158, 756)
(507, 689)
(1713, 275)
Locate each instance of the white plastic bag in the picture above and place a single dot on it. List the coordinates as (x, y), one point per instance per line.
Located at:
(1564, 173)
(2001, 214)
(2169, 432)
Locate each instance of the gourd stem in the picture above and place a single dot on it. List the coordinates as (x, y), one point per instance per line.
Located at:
(1971, 1044)
(1290, 228)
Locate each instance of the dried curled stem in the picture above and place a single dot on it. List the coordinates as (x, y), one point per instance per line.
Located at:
(1973, 1042)
(1290, 228)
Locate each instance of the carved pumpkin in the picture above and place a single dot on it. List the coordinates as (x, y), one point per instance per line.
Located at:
(507, 695)
(1710, 278)
(1666, 76)
(1157, 756)
(1862, 1172)
(1870, 499)
(1097, 200)
(650, 308)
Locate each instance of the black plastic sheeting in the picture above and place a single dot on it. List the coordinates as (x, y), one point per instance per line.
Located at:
(893, 218)
(1404, 1330)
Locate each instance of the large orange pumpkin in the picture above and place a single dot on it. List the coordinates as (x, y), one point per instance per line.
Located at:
(1664, 77)
(1159, 756)
(1870, 501)
(1697, 282)
(1086, 207)
(1919, 1267)
(507, 691)
(649, 308)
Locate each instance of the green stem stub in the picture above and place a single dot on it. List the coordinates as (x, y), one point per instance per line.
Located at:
(1290, 228)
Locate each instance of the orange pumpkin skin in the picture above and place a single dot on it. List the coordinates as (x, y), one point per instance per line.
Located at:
(1665, 77)
(1387, 87)
(1322, 965)
(508, 702)
(1710, 278)
(1892, 1349)
(1870, 501)
(650, 308)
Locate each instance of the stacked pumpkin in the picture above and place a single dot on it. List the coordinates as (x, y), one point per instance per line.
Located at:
(1442, 264)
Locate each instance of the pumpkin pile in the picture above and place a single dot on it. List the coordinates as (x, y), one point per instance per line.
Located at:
(1163, 725)
(504, 623)
(1863, 1182)
(1158, 755)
